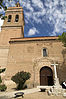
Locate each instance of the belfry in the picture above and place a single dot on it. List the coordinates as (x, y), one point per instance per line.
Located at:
(13, 27)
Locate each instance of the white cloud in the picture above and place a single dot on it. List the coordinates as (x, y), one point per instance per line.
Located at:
(1, 10)
(56, 14)
(28, 6)
(1, 23)
(38, 3)
(32, 31)
(9, 2)
(51, 11)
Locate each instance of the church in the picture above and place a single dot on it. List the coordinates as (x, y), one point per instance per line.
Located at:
(43, 57)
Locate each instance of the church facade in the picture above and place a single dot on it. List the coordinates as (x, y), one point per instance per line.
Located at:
(35, 55)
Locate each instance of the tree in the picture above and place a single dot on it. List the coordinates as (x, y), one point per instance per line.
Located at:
(2, 5)
(63, 38)
(2, 86)
(20, 79)
(1, 71)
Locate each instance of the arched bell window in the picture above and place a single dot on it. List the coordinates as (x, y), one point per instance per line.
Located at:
(9, 18)
(44, 52)
(17, 18)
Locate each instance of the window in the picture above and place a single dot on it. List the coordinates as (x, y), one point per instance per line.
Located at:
(16, 18)
(9, 18)
(44, 52)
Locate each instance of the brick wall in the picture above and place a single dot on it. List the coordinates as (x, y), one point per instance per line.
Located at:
(28, 56)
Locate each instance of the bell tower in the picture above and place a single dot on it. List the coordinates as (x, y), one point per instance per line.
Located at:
(13, 26)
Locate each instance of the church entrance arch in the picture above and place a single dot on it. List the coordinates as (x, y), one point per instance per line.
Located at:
(46, 76)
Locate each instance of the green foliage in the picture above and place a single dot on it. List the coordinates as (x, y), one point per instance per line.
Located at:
(3, 17)
(0, 80)
(20, 79)
(3, 87)
(2, 70)
(63, 38)
(1, 1)
(4, 7)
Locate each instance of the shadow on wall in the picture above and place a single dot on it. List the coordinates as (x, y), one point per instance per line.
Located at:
(61, 69)
(64, 56)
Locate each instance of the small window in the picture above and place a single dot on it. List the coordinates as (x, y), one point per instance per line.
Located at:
(44, 52)
(9, 18)
(16, 18)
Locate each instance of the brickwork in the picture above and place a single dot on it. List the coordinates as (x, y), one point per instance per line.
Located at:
(28, 56)
(10, 30)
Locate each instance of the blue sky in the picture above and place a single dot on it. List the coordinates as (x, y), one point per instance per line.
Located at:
(42, 17)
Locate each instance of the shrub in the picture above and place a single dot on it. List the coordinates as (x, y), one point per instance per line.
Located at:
(20, 79)
(3, 87)
(63, 38)
(2, 70)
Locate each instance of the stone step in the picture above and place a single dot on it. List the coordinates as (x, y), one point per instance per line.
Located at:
(44, 87)
(64, 94)
(12, 94)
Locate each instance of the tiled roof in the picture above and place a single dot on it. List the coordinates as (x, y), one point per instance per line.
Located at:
(33, 39)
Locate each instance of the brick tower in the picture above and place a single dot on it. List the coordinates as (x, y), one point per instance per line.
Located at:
(13, 27)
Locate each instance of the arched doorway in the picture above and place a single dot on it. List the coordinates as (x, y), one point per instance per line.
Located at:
(46, 76)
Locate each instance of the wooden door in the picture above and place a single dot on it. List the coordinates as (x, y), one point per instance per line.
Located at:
(46, 76)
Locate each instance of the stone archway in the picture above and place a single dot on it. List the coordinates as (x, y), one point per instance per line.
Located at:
(46, 76)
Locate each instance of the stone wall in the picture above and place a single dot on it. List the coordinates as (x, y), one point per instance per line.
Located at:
(9, 32)
(3, 56)
(28, 56)
(12, 29)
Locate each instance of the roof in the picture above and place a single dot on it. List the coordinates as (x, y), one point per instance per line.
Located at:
(33, 39)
